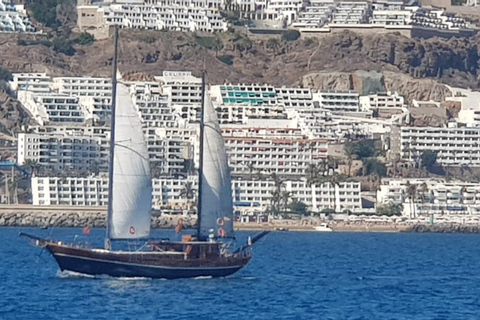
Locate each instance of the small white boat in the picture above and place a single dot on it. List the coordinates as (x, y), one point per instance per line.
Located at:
(323, 227)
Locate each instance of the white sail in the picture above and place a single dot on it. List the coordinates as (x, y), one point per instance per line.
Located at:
(132, 186)
(216, 203)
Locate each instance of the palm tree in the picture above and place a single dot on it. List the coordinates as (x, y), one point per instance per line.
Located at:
(285, 199)
(156, 169)
(94, 167)
(32, 165)
(273, 45)
(217, 45)
(243, 44)
(465, 167)
(323, 166)
(350, 157)
(13, 189)
(412, 195)
(251, 168)
(188, 191)
(334, 180)
(377, 181)
(277, 192)
(312, 174)
(332, 162)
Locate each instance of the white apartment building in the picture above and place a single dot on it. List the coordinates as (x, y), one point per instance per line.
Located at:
(386, 100)
(469, 113)
(154, 107)
(282, 151)
(438, 19)
(294, 97)
(53, 108)
(70, 191)
(86, 149)
(184, 92)
(249, 94)
(471, 118)
(187, 16)
(337, 101)
(14, 18)
(181, 86)
(171, 139)
(455, 146)
(391, 17)
(34, 82)
(316, 15)
(345, 196)
(431, 196)
(167, 193)
(391, 5)
(351, 12)
(174, 150)
(83, 86)
(367, 15)
(287, 9)
(63, 148)
(95, 94)
(236, 104)
(170, 193)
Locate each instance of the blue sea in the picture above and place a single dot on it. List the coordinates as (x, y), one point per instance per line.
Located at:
(293, 275)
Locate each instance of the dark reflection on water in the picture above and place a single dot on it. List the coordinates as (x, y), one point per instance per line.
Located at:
(292, 276)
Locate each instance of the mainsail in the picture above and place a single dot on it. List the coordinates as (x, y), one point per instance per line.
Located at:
(216, 205)
(132, 186)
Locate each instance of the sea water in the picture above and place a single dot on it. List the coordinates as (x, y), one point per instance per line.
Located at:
(293, 275)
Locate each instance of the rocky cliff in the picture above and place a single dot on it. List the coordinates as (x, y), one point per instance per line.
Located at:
(237, 58)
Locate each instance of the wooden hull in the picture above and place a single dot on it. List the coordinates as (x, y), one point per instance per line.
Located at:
(142, 264)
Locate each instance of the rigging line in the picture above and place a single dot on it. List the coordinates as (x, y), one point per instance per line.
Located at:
(134, 151)
(212, 126)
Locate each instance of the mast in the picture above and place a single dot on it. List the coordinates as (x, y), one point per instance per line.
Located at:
(200, 163)
(112, 140)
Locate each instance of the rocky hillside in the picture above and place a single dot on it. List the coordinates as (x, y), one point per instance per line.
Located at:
(402, 64)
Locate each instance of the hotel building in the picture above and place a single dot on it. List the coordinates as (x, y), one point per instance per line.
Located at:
(34, 82)
(14, 18)
(62, 148)
(386, 100)
(455, 146)
(186, 16)
(266, 151)
(431, 196)
(167, 193)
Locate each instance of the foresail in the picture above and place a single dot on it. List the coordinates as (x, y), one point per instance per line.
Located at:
(132, 187)
(217, 204)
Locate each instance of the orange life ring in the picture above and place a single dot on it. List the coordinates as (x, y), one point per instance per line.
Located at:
(132, 230)
(222, 233)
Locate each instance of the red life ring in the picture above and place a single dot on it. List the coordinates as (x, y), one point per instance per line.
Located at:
(132, 230)
(222, 233)
(220, 222)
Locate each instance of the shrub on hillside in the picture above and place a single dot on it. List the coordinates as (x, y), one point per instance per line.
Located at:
(23, 42)
(227, 59)
(291, 35)
(85, 38)
(5, 74)
(45, 11)
(211, 43)
(63, 45)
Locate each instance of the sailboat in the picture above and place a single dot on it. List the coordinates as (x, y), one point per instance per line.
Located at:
(210, 252)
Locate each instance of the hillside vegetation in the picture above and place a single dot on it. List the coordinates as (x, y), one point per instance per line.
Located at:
(235, 57)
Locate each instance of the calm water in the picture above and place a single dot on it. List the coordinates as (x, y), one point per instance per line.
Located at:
(292, 276)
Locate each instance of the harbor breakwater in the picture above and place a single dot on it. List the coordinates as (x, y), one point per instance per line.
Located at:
(93, 219)
(443, 228)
